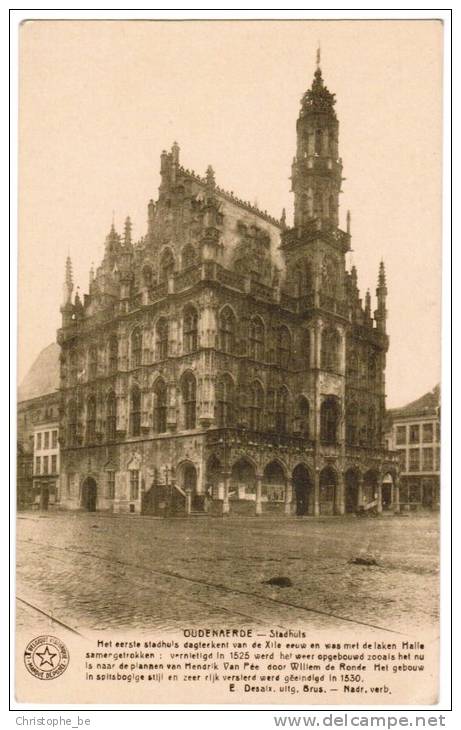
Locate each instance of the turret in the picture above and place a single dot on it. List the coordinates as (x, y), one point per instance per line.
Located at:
(150, 218)
(127, 232)
(381, 294)
(67, 308)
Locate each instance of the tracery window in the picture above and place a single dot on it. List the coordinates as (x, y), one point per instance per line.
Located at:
(352, 424)
(160, 406)
(224, 401)
(302, 415)
(91, 419)
(256, 406)
(190, 329)
(189, 399)
(166, 265)
(161, 332)
(283, 347)
(329, 420)
(113, 353)
(111, 420)
(330, 349)
(72, 423)
(281, 410)
(227, 330)
(136, 348)
(189, 256)
(135, 411)
(256, 339)
(93, 361)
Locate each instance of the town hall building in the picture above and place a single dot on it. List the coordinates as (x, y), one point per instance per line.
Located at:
(225, 362)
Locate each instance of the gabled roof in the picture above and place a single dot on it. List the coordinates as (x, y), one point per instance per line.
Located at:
(425, 406)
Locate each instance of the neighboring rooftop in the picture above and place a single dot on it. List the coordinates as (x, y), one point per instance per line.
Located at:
(43, 376)
(426, 405)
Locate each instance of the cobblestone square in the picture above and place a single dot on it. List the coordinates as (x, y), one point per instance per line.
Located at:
(106, 572)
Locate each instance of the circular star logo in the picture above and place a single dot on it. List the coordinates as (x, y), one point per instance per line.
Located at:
(46, 657)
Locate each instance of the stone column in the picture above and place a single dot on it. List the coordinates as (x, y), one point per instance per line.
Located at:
(379, 493)
(188, 502)
(396, 496)
(316, 494)
(259, 507)
(340, 506)
(288, 496)
(360, 491)
(225, 502)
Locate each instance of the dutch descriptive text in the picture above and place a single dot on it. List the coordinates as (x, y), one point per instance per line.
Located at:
(246, 662)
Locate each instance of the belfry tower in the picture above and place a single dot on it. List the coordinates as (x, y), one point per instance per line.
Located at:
(316, 170)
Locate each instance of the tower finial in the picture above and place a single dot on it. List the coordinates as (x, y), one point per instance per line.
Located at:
(68, 282)
(318, 55)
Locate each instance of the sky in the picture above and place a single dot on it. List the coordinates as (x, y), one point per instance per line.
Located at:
(99, 101)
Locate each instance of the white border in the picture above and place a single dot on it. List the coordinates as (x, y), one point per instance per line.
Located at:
(253, 716)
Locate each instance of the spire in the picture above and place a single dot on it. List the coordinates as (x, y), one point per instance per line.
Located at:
(381, 294)
(91, 273)
(348, 222)
(368, 303)
(210, 178)
(283, 218)
(318, 55)
(150, 217)
(127, 232)
(68, 283)
(382, 276)
(318, 98)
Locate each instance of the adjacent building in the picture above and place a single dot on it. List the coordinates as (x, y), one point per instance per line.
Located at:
(225, 361)
(414, 433)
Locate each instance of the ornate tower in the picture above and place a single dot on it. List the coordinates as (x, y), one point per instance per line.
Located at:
(316, 170)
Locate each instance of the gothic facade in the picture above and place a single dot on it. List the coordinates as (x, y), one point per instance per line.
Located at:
(225, 362)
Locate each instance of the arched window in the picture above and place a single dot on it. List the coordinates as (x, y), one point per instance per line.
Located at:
(270, 409)
(188, 257)
(189, 399)
(73, 364)
(224, 401)
(91, 419)
(302, 278)
(135, 411)
(281, 410)
(190, 329)
(371, 426)
(72, 423)
(227, 330)
(93, 361)
(111, 420)
(352, 424)
(256, 339)
(166, 265)
(329, 419)
(372, 366)
(160, 406)
(113, 353)
(136, 348)
(256, 407)
(161, 338)
(330, 349)
(283, 347)
(318, 204)
(318, 141)
(302, 416)
(353, 366)
(147, 276)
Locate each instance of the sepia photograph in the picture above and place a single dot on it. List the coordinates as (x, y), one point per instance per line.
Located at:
(228, 415)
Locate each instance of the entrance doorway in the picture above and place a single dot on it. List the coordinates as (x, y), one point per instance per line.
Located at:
(89, 494)
(302, 487)
(44, 496)
(352, 491)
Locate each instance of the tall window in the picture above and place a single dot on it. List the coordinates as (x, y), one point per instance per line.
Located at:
(134, 484)
(113, 353)
(414, 464)
(39, 442)
(135, 412)
(270, 409)
(428, 459)
(189, 399)
(45, 465)
(54, 440)
(256, 339)
(428, 433)
(372, 366)
(46, 445)
(166, 265)
(160, 406)
(224, 401)
(190, 329)
(136, 348)
(38, 462)
(329, 418)
(283, 347)
(91, 419)
(93, 361)
(111, 421)
(161, 333)
(72, 421)
(281, 410)
(318, 204)
(302, 414)
(401, 435)
(371, 426)
(351, 424)
(330, 350)
(318, 141)
(188, 256)
(414, 434)
(227, 330)
(256, 406)
(54, 464)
